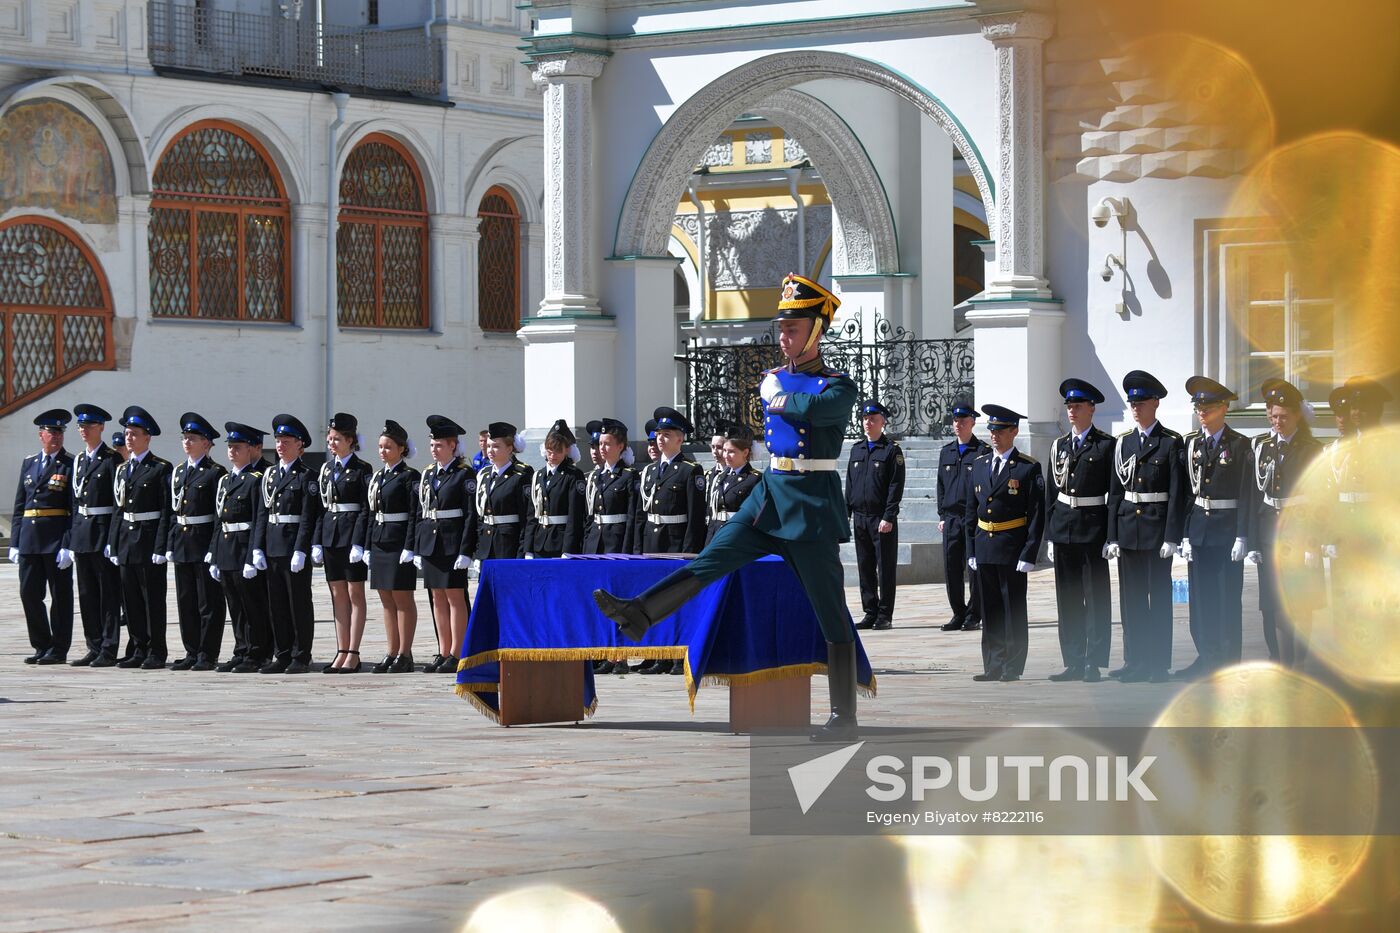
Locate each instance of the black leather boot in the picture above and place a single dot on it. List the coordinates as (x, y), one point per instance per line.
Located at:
(841, 681)
(635, 616)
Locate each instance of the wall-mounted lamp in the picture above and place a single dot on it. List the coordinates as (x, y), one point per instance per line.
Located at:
(1110, 262)
(1111, 207)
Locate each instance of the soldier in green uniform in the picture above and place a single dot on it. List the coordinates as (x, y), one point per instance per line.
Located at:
(797, 510)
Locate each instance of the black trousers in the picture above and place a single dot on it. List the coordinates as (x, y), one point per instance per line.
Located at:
(1217, 586)
(199, 601)
(247, 612)
(1083, 599)
(876, 556)
(289, 606)
(51, 626)
(143, 595)
(99, 602)
(1145, 603)
(954, 570)
(1005, 626)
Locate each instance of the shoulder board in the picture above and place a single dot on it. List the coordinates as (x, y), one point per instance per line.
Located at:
(1026, 457)
(835, 372)
(256, 474)
(162, 460)
(984, 456)
(1194, 434)
(775, 369)
(1128, 433)
(1170, 433)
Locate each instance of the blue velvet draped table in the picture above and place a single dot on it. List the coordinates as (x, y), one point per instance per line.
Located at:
(752, 626)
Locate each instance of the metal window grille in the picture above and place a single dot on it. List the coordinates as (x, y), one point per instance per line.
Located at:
(498, 266)
(382, 243)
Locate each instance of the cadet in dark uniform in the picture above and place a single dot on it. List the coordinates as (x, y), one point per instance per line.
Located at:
(446, 502)
(199, 598)
(137, 539)
(237, 502)
(1280, 458)
(281, 543)
(653, 451)
(497, 527)
(1005, 508)
(595, 459)
(738, 480)
(954, 468)
(610, 495)
(99, 583)
(671, 515)
(797, 510)
(1147, 504)
(874, 488)
(1076, 525)
(119, 445)
(556, 498)
(338, 542)
(1220, 468)
(392, 498)
(40, 527)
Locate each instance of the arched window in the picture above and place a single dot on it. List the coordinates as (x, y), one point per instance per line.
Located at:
(498, 262)
(218, 233)
(55, 310)
(382, 245)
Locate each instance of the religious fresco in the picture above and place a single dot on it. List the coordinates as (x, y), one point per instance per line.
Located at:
(51, 156)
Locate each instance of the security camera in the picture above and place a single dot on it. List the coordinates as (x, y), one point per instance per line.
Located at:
(1109, 263)
(1109, 207)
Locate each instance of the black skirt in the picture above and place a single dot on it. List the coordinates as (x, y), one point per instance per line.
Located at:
(439, 575)
(339, 567)
(386, 573)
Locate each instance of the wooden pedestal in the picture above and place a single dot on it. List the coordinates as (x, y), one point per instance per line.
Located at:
(541, 691)
(773, 704)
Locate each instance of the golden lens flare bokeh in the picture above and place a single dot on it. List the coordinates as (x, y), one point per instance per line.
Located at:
(990, 882)
(540, 909)
(1274, 878)
(1334, 201)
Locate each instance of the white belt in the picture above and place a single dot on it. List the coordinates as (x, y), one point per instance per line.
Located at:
(610, 519)
(1141, 497)
(1206, 503)
(275, 519)
(721, 515)
(1353, 497)
(140, 516)
(1080, 502)
(791, 465)
(86, 511)
(231, 527)
(346, 507)
(1273, 503)
(194, 519)
(667, 519)
(382, 517)
(555, 520)
(435, 514)
(504, 519)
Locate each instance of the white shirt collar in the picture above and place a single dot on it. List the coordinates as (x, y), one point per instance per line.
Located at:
(93, 451)
(345, 460)
(193, 463)
(1148, 429)
(1084, 435)
(285, 464)
(1216, 436)
(137, 458)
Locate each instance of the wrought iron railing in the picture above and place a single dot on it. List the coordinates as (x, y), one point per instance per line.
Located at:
(917, 380)
(247, 45)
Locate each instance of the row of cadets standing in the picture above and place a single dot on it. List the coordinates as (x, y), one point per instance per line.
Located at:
(874, 489)
(954, 472)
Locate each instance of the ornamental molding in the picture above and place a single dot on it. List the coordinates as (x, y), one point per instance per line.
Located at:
(1007, 27)
(547, 67)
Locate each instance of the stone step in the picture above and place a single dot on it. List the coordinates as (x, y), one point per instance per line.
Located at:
(916, 563)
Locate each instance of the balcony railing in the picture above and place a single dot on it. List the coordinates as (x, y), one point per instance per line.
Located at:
(246, 45)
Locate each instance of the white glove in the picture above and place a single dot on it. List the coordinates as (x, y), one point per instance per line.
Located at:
(1185, 551)
(972, 563)
(169, 556)
(769, 387)
(1111, 550)
(209, 558)
(406, 557)
(107, 551)
(259, 559)
(1169, 549)
(214, 572)
(1254, 557)
(365, 556)
(14, 555)
(418, 562)
(318, 555)
(1023, 566)
(529, 556)
(65, 558)
(357, 554)
(1309, 558)
(113, 558)
(1050, 551)
(462, 562)
(298, 561)
(1238, 552)
(1329, 551)
(249, 571)
(159, 559)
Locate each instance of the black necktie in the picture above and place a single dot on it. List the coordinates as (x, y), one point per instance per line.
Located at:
(1078, 443)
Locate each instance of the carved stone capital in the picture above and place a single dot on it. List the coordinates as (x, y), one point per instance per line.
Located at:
(547, 68)
(1008, 27)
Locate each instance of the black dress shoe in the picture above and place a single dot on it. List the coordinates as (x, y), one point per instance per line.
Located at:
(383, 666)
(1159, 677)
(602, 667)
(275, 666)
(1118, 672)
(1069, 673)
(650, 667)
(1009, 677)
(248, 666)
(986, 676)
(53, 659)
(134, 661)
(621, 667)
(677, 667)
(203, 666)
(1091, 675)
(298, 667)
(867, 622)
(1133, 676)
(34, 658)
(403, 664)
(449, 664)
(103, 660)
(153, 663)
(229, 665)
(884, 623)
(183, 664)
(1191, 671)
(432, 666)
(85, 661)
(329, 669)
(972, 626)
(953, 625)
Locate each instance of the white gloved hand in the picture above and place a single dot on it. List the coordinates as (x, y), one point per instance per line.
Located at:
(1329, 551)
(1238, 552)
(215, 573)
(406, 557)
(357, 554)
(318, 555)
(209, 558)
(14, 555)
(462, 562)
(1185, 551)
(249, 571)
(1111, 550)
(158, 559)
(65, 558)
(1309, 558)
(298, 561)
(529, 556)
(1050, 551)
(1169, 549)
(769, 387)
(1254, 557)
(418, 562)
(1024, 566)
(366, 556)
(107, 551)
(113, 558)
(259, 559)
(169, 556)
(972, 563)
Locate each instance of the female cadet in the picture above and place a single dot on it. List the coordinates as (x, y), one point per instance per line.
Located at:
(1280, 458)
(446, 496)
(502, 512)
(556, 498)
(610, 504)
(392, 498)
(729, 490)
(339, 540)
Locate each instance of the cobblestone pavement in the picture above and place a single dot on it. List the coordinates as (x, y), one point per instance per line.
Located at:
(165, 800)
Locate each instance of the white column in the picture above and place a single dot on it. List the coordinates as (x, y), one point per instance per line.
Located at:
(446, 296)
(1020, 168)
(645, 336)
(308, 236)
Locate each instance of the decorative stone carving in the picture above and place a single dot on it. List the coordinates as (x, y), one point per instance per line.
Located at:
(758, 147)
(721, 153)
(792, 149)
(755, 249)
